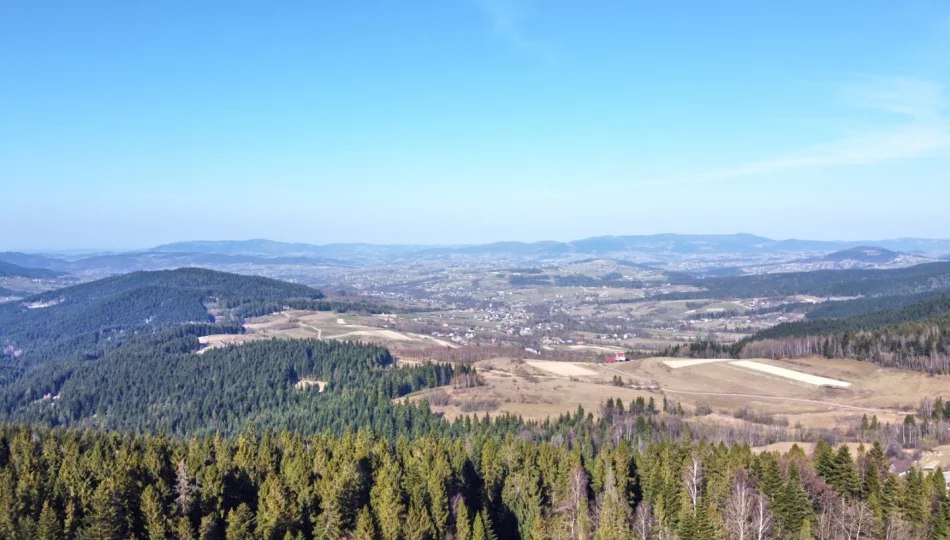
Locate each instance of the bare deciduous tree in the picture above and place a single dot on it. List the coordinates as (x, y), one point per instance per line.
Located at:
(572, 505)
(643, 522)
(183, 488)
(762, 520)
(694, 479)
(853, 520)
(739, 508)
(897, 528)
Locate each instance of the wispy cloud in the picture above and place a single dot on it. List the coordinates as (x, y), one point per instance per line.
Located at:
(507, 19)
(922, 129)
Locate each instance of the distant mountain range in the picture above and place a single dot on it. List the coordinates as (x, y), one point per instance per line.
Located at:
(745, 244)
(659, 247)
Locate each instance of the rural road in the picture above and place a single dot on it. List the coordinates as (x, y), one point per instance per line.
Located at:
(757, 396)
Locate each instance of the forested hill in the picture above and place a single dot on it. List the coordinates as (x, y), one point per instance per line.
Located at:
(15, 270)
(912, 280)
(935, 311)
(105, 309)
(915, 336)
(122, 354)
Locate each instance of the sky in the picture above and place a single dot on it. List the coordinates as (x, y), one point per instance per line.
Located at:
(129, 124)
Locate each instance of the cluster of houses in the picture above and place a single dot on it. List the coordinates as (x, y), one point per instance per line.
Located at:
(619, 357)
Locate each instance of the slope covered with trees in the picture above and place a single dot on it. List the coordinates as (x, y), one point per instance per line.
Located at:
(912, 280)
(265, 485)
(122, 354)
(158, 383)
(916, 336)
(14, 270)
(109, 308)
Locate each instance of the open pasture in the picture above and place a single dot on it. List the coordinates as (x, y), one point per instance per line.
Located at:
(565, 369)
(677, 364)
(302, 324)
(790, 374)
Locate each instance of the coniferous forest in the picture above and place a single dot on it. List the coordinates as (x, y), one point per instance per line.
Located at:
(115, 426)
(479, 484)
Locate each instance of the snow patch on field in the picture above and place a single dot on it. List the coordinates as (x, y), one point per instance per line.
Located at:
(677, 364)
(561, 368)
(790, 374)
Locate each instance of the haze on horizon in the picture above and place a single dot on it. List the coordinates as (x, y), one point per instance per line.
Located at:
(470, 121)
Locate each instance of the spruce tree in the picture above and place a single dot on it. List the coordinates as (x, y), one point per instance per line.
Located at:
(49, 527)
(240, 524)
(365, 528)
(386, 500)
(463, 521)
(792, 505)
(103, 522)
(156, 524)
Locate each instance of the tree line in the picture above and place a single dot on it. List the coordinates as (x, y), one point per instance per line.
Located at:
(59, 484)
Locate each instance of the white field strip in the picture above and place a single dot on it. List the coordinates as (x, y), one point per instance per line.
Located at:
(677, 364)
(789, 374)
(561, 368)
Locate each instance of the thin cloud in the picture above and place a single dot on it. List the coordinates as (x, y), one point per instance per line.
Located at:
(924, 131)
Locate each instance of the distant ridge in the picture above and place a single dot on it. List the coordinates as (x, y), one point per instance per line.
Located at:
(678, 244)
(15, 270)
(867, 254)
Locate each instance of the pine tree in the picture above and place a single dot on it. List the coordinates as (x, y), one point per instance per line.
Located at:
(185, 530)
(156, 524)
(614, 514)
(463, 522)
(103, 521)
(49, 527)
(278, 511)
(792, 506)
(386, 499)
(209, 529)
(240, 524)
(438, 497)
(418, 524)
(488, 528)
(365, 528)
(478, 530)
(845, 477)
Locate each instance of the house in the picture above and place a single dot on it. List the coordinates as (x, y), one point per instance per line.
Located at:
(611, 359)
(621, 357)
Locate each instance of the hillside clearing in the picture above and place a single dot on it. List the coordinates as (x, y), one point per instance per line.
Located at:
(790, 374)
(565, 369)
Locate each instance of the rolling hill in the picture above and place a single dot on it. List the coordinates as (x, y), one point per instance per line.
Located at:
(32, 260)
(866, 254)
(93, 313)
(859, 282)
(15, 270)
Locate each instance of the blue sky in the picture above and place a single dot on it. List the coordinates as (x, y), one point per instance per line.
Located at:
(128, 124)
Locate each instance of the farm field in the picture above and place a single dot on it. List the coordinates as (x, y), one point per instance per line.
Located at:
(723, 386)
(566, 369)
(677, 364)
(302, 324)
(790, 374)
(516, 387)
(538, 389)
